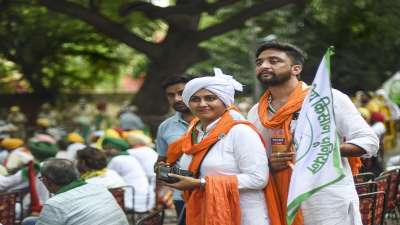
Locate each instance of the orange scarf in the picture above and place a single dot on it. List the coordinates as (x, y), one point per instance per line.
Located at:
(217, 204)
(221, 192)
(281, 120)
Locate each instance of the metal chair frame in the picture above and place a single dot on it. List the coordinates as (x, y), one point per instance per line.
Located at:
(154, 218)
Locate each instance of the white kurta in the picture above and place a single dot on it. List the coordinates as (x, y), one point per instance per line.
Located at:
(133, 174)
(338, 203)
(147, 157)
(239, 153)
(110, 179)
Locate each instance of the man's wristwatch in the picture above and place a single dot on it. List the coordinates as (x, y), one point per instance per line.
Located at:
(202, 182)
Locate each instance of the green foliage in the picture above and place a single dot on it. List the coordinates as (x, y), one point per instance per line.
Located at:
(55, 51)
(364, 34)
(73, 55)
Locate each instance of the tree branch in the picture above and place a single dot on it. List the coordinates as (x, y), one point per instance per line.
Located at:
(103, 25)
(240, 18)
(155, 12)
(5, 49)
(94, 5)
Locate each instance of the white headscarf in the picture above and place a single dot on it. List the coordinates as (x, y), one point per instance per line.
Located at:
(222, 85)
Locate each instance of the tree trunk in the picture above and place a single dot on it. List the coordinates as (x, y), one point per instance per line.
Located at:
(151, 100)
(36, 84)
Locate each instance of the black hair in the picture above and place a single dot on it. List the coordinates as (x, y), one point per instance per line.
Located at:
(295, 53)
(94, 158)
(177, 79)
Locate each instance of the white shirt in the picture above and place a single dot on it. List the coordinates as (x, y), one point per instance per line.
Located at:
(85, 205)
(379, 129)
(332, 204)
(147, 157)
(110, 179)
(239, 153)
(133, 174)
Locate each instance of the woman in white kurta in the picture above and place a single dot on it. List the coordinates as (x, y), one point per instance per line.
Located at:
(240, 152)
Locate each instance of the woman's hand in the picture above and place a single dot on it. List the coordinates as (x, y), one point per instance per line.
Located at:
(184, 183)
(158, 164)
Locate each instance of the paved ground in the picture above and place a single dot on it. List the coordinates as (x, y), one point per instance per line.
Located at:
(170, 217)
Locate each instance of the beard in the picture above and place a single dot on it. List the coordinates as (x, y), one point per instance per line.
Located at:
(271, 79)
(180, 107)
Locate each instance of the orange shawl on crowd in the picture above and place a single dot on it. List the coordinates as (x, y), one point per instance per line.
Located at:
(221, 193)
(281, 120)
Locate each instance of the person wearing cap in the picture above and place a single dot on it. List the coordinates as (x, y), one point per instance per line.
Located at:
(75, 201)
(141, 149)
(27, 177)
(75, 143)
(226, 156)
(17, 118)
(278, 68)
(130, 170)
(102, 119)
(18, 155)
(129, 120)
(51, 116)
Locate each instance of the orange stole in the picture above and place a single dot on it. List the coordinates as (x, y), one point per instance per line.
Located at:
(281, 120)
(225, 187)
(217, 204)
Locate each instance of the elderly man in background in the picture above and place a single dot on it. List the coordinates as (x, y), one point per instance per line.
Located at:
(76, 202)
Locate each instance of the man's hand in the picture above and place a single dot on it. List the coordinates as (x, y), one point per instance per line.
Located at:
(184, 183)
(280, 160)
(351, 150)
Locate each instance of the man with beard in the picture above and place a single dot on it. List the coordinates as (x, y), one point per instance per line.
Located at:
(174, 127)
(278, 67)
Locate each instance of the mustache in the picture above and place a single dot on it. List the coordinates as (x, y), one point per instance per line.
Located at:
(266, 71)
(179, 104)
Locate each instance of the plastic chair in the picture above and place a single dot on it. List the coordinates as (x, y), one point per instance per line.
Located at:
(118, 194)
(367, 205)
(391, 196)
(383, 183)
(8, 203)
(367, 187)
(363, 177)
(379, 210)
